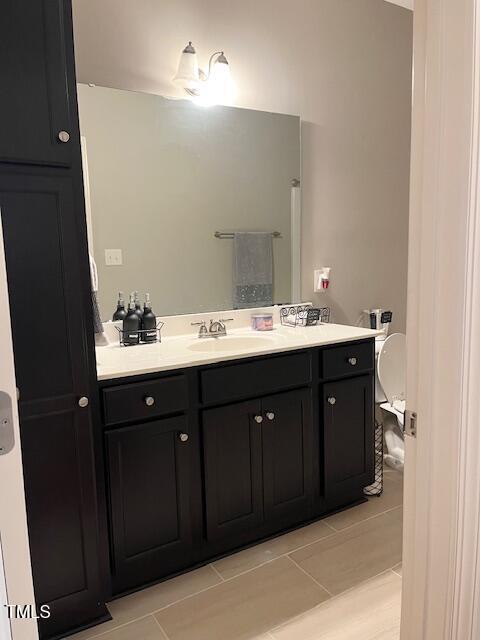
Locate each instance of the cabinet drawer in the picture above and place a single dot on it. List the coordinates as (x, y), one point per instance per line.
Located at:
(347, 359)
(250, 379)
(128, 402)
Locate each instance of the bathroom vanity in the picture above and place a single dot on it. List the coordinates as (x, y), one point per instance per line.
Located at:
(215, 451)
(182, 451)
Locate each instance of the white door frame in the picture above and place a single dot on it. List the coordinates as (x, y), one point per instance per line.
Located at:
(15, 570)
(442, 474)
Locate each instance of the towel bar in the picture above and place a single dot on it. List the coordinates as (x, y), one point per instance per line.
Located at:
(228, 235)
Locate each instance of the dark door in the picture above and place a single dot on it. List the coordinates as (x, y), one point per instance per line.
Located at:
(287, 456)
(50, 326)
(150, 490)
(349, 432)
(36, 50)
(233, 470)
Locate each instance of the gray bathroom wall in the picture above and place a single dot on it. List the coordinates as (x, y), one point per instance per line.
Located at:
(344, 66)
(164, 175)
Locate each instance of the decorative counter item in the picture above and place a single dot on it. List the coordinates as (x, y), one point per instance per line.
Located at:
(262, 322)
(303, 315)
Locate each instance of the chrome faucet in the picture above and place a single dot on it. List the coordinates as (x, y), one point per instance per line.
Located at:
(216, 329)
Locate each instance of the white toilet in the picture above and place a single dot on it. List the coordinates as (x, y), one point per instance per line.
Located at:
(390, 395)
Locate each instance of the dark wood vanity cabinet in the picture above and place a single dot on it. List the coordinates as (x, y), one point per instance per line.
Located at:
(348, 434)
(232, 454)
(287, 440)
(153, 528)
(258, 467)
(36, 63)
(218, 465)
(43, 219)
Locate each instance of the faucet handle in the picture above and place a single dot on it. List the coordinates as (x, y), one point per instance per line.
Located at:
(203, 328)
(226, 319)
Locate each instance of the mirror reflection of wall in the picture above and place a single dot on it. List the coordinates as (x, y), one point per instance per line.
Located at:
(164, 175)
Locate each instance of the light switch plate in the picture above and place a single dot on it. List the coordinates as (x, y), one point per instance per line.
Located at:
(113, 257)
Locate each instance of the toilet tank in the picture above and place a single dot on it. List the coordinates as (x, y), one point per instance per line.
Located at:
(379, 393)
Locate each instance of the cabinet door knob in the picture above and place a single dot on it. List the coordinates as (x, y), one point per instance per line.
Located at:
(83, 402)
(149, 401)
(63, 136)
(352, 361)
(331, 400)
(183, 437)
(258, 419)
(270, 415)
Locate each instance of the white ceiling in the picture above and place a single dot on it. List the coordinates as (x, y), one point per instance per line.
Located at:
(408, 4)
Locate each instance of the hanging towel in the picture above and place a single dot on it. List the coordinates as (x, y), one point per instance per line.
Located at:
(252, 270)
(97, 322)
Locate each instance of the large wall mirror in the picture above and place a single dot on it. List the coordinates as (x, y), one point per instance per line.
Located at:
(199, 205)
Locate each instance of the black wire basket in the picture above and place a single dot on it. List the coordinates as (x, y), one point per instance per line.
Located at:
(376, 488)
(140, 336)
(304, 315)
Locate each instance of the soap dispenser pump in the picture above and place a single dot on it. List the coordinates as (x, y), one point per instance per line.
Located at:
(120, 313)
(138, 306)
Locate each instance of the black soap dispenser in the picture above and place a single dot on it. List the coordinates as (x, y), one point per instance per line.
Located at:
(120, 313)
(149, 322)
(131, 325)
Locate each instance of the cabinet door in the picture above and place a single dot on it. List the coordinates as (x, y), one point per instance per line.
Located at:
(233, 470)
(51, 320)
(287, 456)
(149, 486)
(349, 436)
(38, 85)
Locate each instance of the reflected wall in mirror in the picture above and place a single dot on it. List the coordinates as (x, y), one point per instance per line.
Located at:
(163, 175)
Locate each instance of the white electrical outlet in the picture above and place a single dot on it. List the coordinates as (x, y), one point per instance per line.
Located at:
(113, 257)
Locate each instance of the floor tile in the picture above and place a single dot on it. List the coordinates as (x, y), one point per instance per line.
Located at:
(163, 594)
(244, 607)
(370, 611)
(148, 600)
(392, 497)
(145, 629)
(271, 549)
(355, 554)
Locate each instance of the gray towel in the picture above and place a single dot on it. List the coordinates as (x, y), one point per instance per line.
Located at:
(252, 270)
(97, 322)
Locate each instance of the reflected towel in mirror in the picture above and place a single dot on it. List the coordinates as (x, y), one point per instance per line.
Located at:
(252, 269)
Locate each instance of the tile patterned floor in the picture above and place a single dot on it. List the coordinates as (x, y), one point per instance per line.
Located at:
(336, 579)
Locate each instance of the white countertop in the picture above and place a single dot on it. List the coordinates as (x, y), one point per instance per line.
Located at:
(178, 352)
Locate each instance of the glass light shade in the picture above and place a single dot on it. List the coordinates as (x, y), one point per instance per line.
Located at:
(219, 88)
(187, 75)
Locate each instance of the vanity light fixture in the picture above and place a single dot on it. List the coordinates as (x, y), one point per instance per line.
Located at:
(213, 87)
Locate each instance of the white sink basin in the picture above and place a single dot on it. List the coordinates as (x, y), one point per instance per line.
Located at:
(227, 344)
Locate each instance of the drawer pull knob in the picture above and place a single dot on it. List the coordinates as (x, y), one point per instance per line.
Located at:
(63, 136)
(259, 419)
(149, 401)
(270, 415)
(83, 402)
(183, 437)
(352, 361)
(331, 400)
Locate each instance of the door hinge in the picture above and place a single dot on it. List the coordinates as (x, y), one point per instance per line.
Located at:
(411, 423)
